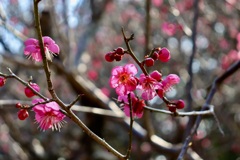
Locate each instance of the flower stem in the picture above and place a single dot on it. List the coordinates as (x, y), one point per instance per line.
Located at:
(130, 129)
(131, 53)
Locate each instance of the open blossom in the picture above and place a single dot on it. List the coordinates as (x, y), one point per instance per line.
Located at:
(137, 105)
(167, 84)
(48, 115)
(123, 79)
(32, 48)
(149, 84)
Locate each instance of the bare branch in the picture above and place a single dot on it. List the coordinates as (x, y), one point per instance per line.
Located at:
(130, 128)
(12, 75)
(182, 114)
(74, 102)
(217, 82)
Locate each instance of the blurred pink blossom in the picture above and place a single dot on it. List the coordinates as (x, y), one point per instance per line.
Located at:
(167, 84)
(123, 79)
(48, 115)
(32, 48)
(169, 81)
(229, 58)
(92, 75)
(157, 3)
(224, 44)
(169, 28)
(238, 41)
(137, 105)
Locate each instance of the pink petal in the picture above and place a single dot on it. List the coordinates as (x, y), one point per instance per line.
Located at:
(131, 68)
(31, 41)
(116, 70)
(37, 56)
(38, 117)
(121, 90)
(113, 82)
(48, 40)
(30, 49)
(53, 106)
(139, 115)
(156, 75)
(38, 100)
(131, 84)
(54, 48)
(148, 94)
(127, 110)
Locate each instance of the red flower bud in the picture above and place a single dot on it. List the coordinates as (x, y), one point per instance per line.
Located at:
(23, 114)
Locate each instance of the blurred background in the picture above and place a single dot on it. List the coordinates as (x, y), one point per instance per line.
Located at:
(86, 30)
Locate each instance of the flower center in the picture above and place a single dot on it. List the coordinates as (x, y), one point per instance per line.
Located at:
(124, 78)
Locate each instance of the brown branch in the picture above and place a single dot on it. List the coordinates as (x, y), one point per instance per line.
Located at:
(130, 52)
(74, 102)
(130, 128)
(210, 111)
(12, 75)
(216, 83)
(190, 72)
(45, 62)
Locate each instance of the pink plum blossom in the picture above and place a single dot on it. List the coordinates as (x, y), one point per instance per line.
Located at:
(169, 28)
(167, 84)
(48, 115)
(123, 79)
(169, 81)
(137, 105)
(32, 48)
(148, 85)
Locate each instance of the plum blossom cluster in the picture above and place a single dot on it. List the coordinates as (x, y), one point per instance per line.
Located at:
(47, 113)
(145, 87)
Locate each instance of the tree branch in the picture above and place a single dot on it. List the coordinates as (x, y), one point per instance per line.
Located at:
(216, 83)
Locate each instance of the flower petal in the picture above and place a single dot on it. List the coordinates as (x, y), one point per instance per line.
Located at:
(30, 49)
(131, 68)
(116, 70)
(54, 48)
(31, 41)
(48, 40)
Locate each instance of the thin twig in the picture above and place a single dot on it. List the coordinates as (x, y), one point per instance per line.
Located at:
(130, 128)
(182, 114)
(74, 102)
(216, 83)
(190, 72)
(131, 52)
(45, 102)
(12, 75)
